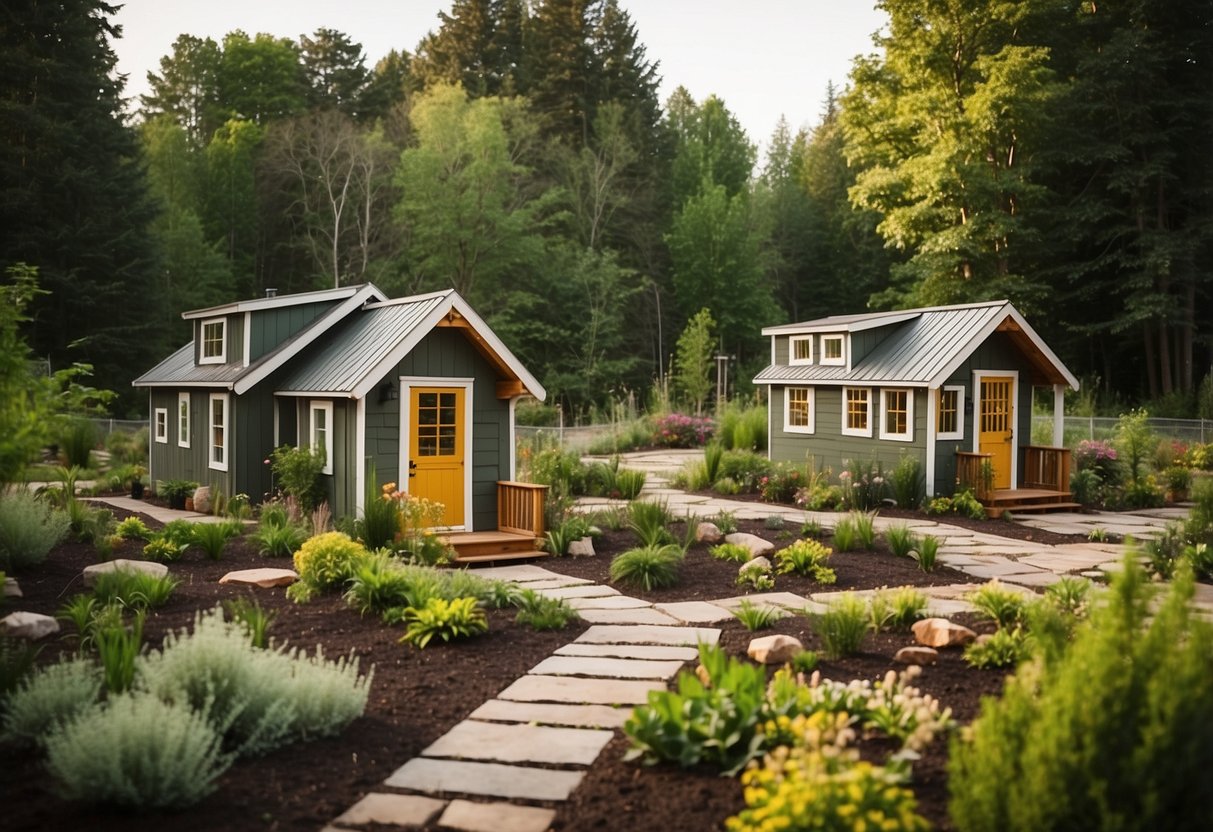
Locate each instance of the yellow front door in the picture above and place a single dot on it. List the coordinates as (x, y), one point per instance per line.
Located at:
(436, 448)
(996, 427)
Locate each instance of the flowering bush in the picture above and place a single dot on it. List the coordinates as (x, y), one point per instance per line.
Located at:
(781, 485)
(863, 485)
(1100, 457)
(676, 430)
(416, 518)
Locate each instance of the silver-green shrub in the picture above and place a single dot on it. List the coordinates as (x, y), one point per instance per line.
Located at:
(137, 751)
(29, 529)
(49, 698)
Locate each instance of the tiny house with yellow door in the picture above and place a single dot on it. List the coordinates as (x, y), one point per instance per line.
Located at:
(949, 385)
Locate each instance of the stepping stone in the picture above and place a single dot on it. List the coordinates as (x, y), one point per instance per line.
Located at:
(495, 817)
(1033, 579)
(695, 612)
(949, 591)
(395, 809)
(580, 691)
(425, 774)
(786, 600)
(558, 582)
(608, 602)
(514, 743)
(546, 713)
(630, 651)
(265, 577)
(946, 607)
(122, 564)
(675, 636)
(640, 615)
(581, 591)
(998, 569)
(606, 668)
(521, 573)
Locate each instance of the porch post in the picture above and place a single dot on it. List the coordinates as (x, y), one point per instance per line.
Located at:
(1059, 415)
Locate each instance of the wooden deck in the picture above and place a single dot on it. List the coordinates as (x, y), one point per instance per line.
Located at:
(494, 546)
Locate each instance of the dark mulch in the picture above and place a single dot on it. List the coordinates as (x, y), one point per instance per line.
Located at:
(417, 695)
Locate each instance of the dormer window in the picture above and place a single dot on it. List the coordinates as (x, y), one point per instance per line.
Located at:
(833, 349)
(214, 342)
(800, 349)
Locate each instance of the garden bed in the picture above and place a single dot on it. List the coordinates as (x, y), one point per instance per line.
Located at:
(417, 695)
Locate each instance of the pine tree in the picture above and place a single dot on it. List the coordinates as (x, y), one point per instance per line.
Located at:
(477, 46)
(187, 88)
(335, 70)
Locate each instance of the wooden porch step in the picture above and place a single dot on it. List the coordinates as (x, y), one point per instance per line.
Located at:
(492, 545)
(1042, 508)
(499, 557)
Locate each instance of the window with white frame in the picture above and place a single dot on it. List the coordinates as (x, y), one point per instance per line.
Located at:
(798, 410)
(219, 433)
(183, 420)
(321, 421)
(800, 349)
(214, 341)
(160, 424)
(949, 413)
(833, 349)
(897, 414)
(856, 411)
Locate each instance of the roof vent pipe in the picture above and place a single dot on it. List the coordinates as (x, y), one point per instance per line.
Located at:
(271, 293)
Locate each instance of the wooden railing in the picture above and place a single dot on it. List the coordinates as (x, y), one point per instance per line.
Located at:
(1046, 468)
(969, 473)
(520, 507)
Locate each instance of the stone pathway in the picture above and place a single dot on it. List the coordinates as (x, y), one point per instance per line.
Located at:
(164, 515)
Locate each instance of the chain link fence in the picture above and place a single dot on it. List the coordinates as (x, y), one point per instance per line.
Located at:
(1078, 428)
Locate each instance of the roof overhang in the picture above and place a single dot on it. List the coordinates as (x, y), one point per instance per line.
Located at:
(275, 302)
(1047, 367)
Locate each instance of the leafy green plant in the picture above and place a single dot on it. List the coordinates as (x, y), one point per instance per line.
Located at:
(756, 578)
(812, 529)
(648, 521)
(249, 614)
(901, 539)
(907, 481)
(726, 521)
(29, 529)
(804, 662)
(734, 552)
(79, 611)
(138, 590)
(726, 486)
(806, 557)
(380, 583)
(162, 550)
(52, 696)
(17, 658)
(757, 617)
(1003, 606)
(865, 528)
(297, 471)
(572, 528)
(212, 538)
(842, 626)
(379, 523)
(649, 567)
(541, 612)
(773, 522)
(1004, 648)
(716, 725)
(713, 457)
(137, 751)
(927, 552)
(1070, 595)
(629, 483)
(278, 541)
(458, 618)
(896, 609)
(117, 649)
(133, 527)
(325, 561)
(845, 535)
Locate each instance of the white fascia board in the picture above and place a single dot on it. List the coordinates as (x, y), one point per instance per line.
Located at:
(214, 385)
(279, 301)
(980, 335)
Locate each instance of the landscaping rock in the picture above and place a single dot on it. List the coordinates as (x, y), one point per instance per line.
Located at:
(753, 542)
(265, 577)
(28, 625)
(940, 632)
(708, 533)
(777, 649)
(917, 655)
(759, 562)
(122, 564)
(202, 499)
(11, 589)
(583, 548)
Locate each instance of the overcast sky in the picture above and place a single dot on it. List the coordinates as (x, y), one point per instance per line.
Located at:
(764, 58)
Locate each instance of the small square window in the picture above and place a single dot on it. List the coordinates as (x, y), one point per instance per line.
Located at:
(798, 410)
(856, 411)
(214, 342)
(897, 415)
(800, 349)
(833, 349)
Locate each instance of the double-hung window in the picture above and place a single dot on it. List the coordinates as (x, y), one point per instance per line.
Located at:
(798, 410)
(856, 411)
(217, 458)
(321, 421)
(949, 422)
(160, 424)
(897, 414)
(183, 420)
(214, 341)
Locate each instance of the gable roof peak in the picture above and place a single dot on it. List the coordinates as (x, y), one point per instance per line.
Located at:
(279, 301)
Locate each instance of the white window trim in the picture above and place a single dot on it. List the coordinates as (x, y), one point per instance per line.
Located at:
(221, 464)
(792, 342)
(908, 436)
(160, 425)
(787, 414)
(841, 360)
(327, 407)
(221, 358)
(183, 424)
(959, 433)
(846, 431)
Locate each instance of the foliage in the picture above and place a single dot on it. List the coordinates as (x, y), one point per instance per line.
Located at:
(746, 468)
(297, 472)
(756, 577)
(693, 360)
(249, 614)
(379, 524)
(118, 649)
(901, 539)
(677, 430)
(908, 482)
(812, 529)
(1085, 487)
(1134, 441)
(734, 552)
(77, 441)
(162, 549)
(29, 529)
(457, 618)
(629, 483)
(1100, 457)
(649, 567)
(649, 520)
(176, 489)
(137, 751)
(863, 485)
(726, 521)
(133, 527)
(381, 582)
(804, 662)
(541, 612)
(134, 589)
(570, 529)
(962, 502)
(1111, 732)
(212, 538)
(17, 658)
(806, 557)
(1003, 606)
(743, 428)
(1005, 648)
(275, 539)
(1070, 595)
(927, 552)
(845, 533)
(896, 609)
(50, 697)
(865, 528)
(842, 626)
(323, 562)
(782, 483)
(757, 616)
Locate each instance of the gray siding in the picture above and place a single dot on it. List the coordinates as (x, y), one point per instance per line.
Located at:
(169, 461)
(253, 416)
(234, 335)
(273, 326)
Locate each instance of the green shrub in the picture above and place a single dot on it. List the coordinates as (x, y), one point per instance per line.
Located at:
(570, 529)
(650, 567)
(458, 618)
(77, 441)
(134, 589)
(772, 522)
(297, 472)
(1005, 648)
(138, 752)
(726, 486)
(757, 617)
(249, 614)
(379, 583)
(629, 484)
(726, 521)
(812, 529)
(379, 518)
(87, 524)
(842, 626)
(745, 468)
(804, 662)
(896, 609)
(16, 661)
(908, 482)
(541, 612)
(1069, 595)
(927, 552)
(118, 648)
(1112, 734)
(162, 550)
(133, 527)
(865, 528)
(29, 529)
(713, 458)
(806, 557)
(782, 482)
(756, 578)
(863, 485)
(212, 538)
(648, 521)
(51, 697)
(902, 541)
(275, 540)
(845, 534)
(1003, 606)
(325, 561)
(734, 552)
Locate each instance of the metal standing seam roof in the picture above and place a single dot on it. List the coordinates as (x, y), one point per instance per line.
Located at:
(915, 354)
(357, 346)
(179, 370)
